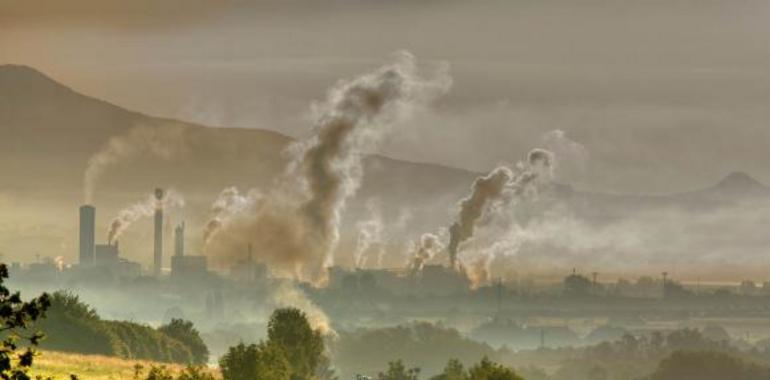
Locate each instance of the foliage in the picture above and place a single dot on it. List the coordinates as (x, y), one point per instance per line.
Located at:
(185, 332)
(262, 361)
(164, 373)
(707, 365)
(290, 330)
(16, 316)
(73, 326)
(398, 371)
(423, 344)
(489, 370)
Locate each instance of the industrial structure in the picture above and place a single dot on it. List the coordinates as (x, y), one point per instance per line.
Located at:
(185, 266)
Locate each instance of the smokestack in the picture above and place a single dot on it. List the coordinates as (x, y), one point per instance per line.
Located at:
(158, 233)
(87, 234)
(179, 240)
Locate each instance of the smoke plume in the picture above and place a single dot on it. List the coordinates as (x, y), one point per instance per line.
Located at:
(145, 208)
(163, 141)
(484, 190)
(503, 187)
(424, 250)
(370, 236)
(227, 205)
(297, 225)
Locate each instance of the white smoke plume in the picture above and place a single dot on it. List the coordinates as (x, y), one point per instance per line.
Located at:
(143, 209)
(297, 225)
(572, 156)
(370, 236)
(228, 204)
(164, 141)
(424, 250)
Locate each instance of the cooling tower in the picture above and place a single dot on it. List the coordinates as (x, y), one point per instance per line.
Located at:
(87, 234)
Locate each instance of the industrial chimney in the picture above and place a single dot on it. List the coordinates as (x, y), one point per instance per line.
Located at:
(87, 234)
(158, 256)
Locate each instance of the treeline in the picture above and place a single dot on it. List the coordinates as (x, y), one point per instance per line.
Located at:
(72, 326)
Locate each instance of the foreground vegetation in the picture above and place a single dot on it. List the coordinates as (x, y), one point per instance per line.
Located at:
(72, 326)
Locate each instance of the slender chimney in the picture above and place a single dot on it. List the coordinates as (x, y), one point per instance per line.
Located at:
(158, 254)
(87, 234)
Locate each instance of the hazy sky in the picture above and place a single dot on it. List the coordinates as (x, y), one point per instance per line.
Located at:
(663, 95)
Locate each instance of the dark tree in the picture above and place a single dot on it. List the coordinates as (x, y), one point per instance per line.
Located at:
(290, 330)
(263, 361)
(185, 332)
(489, 370)
(16, 317)
(454, 370)
(398, 371)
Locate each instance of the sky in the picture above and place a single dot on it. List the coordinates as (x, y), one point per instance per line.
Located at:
(648, 96)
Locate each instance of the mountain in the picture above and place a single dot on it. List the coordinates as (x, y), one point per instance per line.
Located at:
(48, 133)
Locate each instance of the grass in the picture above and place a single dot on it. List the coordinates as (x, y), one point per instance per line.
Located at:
(59, 366)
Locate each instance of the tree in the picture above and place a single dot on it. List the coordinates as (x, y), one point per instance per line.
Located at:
(489, 370)
(454, 370)
(262, 361)
(707, 365)
(185, 332)
(290, 330)
(398, 371)
(15, 317)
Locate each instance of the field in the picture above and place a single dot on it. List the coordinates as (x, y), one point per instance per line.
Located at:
(60, 365)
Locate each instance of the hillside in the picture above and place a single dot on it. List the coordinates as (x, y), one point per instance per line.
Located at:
(48, 132)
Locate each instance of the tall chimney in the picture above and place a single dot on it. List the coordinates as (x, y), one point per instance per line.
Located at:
(179, 240)
(87, 234)
(158, 256)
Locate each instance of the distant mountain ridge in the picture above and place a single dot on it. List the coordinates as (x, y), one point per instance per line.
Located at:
(49, 131)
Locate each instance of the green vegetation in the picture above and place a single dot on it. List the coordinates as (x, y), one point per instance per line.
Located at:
(293, 351)
(72, 326)
(16, 317)
(708, 365)
(419, 344)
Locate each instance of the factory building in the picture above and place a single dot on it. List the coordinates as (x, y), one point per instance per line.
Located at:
(87, 234)
(107, 256)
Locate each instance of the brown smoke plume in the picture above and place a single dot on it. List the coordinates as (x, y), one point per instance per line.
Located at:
(145, 208)
(484, 190)
(500, 185)
(163, 141)
(297, 231)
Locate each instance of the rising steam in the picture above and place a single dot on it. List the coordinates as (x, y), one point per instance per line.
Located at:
(145, 208)
(370, 236)
(424, 250)
(227, 205)
(299, 229)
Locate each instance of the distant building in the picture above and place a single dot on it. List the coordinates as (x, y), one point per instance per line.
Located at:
(107, 256)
